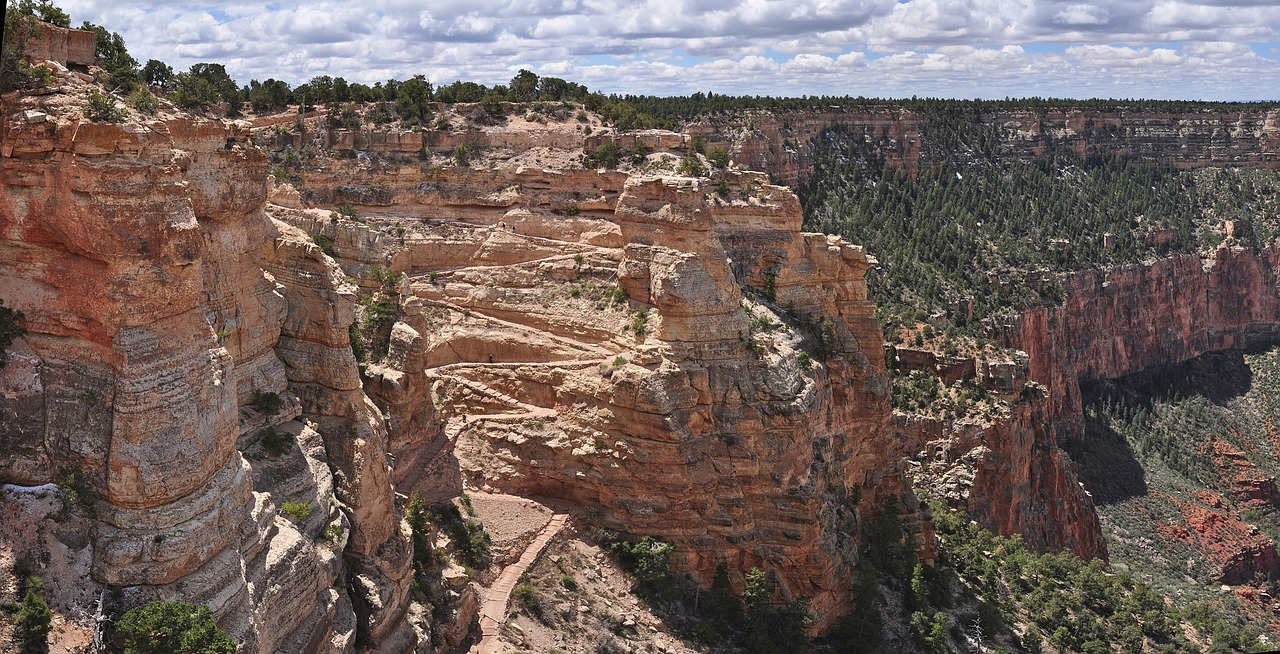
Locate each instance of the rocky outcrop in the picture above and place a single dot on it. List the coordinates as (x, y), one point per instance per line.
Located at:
(1006, 473)
(162, 307)
(63, 45)
(677, 358)
(315, 347)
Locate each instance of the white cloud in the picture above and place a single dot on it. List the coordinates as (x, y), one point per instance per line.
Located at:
(1082, 15)
(955, 48)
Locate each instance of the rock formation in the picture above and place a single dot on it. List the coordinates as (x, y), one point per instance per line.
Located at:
(648, 358)
(671, 353)
(1008, 474)
(172, 328)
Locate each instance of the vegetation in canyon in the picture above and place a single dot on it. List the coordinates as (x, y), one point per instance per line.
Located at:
(1181, 464)
(9, 329)
(977, 227)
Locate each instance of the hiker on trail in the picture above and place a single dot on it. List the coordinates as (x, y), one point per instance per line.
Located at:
(490, 358)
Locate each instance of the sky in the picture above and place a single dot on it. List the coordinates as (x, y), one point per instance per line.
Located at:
(1163, 49)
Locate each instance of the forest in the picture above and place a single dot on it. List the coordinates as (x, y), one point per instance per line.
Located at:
(977, 227)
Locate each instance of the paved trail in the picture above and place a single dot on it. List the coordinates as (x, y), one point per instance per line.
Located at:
(493, 612)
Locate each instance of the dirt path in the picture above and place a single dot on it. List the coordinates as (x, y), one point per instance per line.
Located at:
(493, 611)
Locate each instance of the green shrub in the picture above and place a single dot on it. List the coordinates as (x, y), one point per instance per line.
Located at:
(299, 511)
(476, 545)
(172, 628)
(568, 582)
(142, 100)
(717, 156)
(804, 361)
(526, 597)
(648, 559)
(33, 620)
(691, 167)
(102, 108)
(333, 533)
(274, 441)
(358, 347)
(607, 155)
(268, 403)
(345, 210)
(325, 243)
(462, 155)
(75, 488)
(640, 322)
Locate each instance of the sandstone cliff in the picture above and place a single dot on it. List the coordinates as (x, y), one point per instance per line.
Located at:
(671, 353)
(165, 313)
(1008, 474)
(642, 358)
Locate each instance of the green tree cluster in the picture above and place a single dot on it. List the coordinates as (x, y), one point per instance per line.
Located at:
(172, 628)
(204, 85)
(976, 223)
(122, 69)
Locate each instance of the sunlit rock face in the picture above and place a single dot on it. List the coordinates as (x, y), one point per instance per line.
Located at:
(160, 302)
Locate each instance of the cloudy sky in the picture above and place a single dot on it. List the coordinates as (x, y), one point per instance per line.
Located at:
(1170, 49)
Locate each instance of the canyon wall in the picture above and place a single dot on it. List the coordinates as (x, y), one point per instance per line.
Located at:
(780, 143)
(172, 328)
(1008, 474)
(1132, 318)
(671, 353)
(675, 356)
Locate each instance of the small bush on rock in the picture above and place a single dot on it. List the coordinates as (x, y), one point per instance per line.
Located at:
(102, 108)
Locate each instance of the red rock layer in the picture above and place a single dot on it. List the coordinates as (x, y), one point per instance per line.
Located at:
(1132, 318)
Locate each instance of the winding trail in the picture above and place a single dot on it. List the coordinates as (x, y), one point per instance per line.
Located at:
(493, 609)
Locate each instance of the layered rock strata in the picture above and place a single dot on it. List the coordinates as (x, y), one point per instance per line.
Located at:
(647, 357)
(1128, 319)
(161, 307)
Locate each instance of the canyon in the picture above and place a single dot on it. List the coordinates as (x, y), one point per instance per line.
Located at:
(669, 355)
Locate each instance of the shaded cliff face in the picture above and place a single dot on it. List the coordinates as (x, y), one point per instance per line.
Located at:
(1008, 474)
(160, 303)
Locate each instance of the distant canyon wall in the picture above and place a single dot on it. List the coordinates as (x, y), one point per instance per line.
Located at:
(780, 144)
